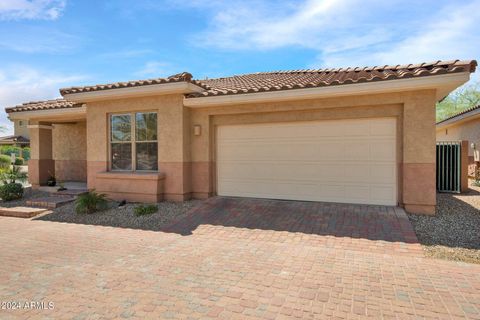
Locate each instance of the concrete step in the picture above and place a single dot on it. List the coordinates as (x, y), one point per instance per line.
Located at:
(71, 192)
(21, 212)
(50, 202)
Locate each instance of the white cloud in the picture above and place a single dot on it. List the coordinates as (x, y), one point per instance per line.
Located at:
(19, 84)
(312, 24)
(347, 32)
(448, 34)
(35, 39)
(31, 9)
(155, 69)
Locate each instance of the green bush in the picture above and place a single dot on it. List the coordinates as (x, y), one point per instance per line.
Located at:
(142, 210)
(90, 202)
(19, 152)
(11, 191)
(19, 161)
(5, 161)
(8, 150)
(26, 153)
(12, 175)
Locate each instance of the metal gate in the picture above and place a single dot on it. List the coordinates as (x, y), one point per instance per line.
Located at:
(449, 166)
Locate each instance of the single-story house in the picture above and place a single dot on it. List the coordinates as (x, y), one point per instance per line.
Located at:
(351, 135)
(20, 137)
(464, 125)
(15, 141)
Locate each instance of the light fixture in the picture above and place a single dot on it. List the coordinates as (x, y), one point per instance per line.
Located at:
(197, 129)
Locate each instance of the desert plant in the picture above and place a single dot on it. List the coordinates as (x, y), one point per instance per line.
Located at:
(61, 186)
(90, 202)
(11, 191)
(12, 175)
(52, 180)
(476, 183)
(142, 210)
(19, 161)
(5, 161)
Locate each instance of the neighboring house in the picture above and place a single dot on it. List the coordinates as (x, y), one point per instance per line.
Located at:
(354, 135)
(20, 137)
(464, 125)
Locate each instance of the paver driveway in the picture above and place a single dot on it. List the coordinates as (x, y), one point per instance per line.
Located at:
(235, 259)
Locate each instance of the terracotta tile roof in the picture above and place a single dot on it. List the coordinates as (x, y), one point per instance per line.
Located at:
(271, 81)
(180, 77)
(13, 139)
(460, 113)
(43, 105)
(298, 79)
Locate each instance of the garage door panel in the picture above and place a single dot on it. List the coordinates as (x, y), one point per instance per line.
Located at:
(325, 171)
(358, 150)
(383, 150)
(280, 171)
(310, 191)
(350, 161)
(292, 151)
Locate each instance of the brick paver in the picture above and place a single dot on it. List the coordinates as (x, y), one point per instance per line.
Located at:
(211, 266)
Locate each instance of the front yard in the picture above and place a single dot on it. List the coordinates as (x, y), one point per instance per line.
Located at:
(454, 233)
(123, 216)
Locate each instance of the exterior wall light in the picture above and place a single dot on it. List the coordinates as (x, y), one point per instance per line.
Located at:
(197, 129)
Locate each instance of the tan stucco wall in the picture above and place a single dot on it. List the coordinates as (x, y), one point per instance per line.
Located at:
(21, 130)
(173, 150)
(187, 162)
(469, 131)
(69, 142)
(41, 162)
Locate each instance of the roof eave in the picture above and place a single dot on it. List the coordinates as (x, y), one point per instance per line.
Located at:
(129, 92)
(444, 84)
(57, 113)
(461, 118)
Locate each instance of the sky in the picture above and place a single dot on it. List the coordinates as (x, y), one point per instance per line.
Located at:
(50, 44)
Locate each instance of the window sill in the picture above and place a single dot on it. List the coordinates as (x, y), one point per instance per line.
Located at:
(131, 175)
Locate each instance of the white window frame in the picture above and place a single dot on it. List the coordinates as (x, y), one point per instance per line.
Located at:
(133, 140)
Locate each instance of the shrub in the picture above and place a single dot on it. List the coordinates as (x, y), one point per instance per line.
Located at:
(8, 150)
(19, 161)
(11, 191)
(12, 175)
(90, 202)
(19, 152)
(5, 161)
(26, 153)
(142, 210)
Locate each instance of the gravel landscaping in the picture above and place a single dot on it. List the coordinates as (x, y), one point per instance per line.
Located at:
(454, 232)
(28, 193)
(124, 216)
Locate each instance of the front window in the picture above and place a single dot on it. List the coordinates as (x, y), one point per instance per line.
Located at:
(133, 142)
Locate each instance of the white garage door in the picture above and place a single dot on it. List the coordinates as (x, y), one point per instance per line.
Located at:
(350, 161)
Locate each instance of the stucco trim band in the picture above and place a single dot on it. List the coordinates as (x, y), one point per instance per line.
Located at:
(39, 126)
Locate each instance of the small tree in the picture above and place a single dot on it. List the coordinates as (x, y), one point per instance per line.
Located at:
(463, 98)
(11, 189)
(13, 175)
